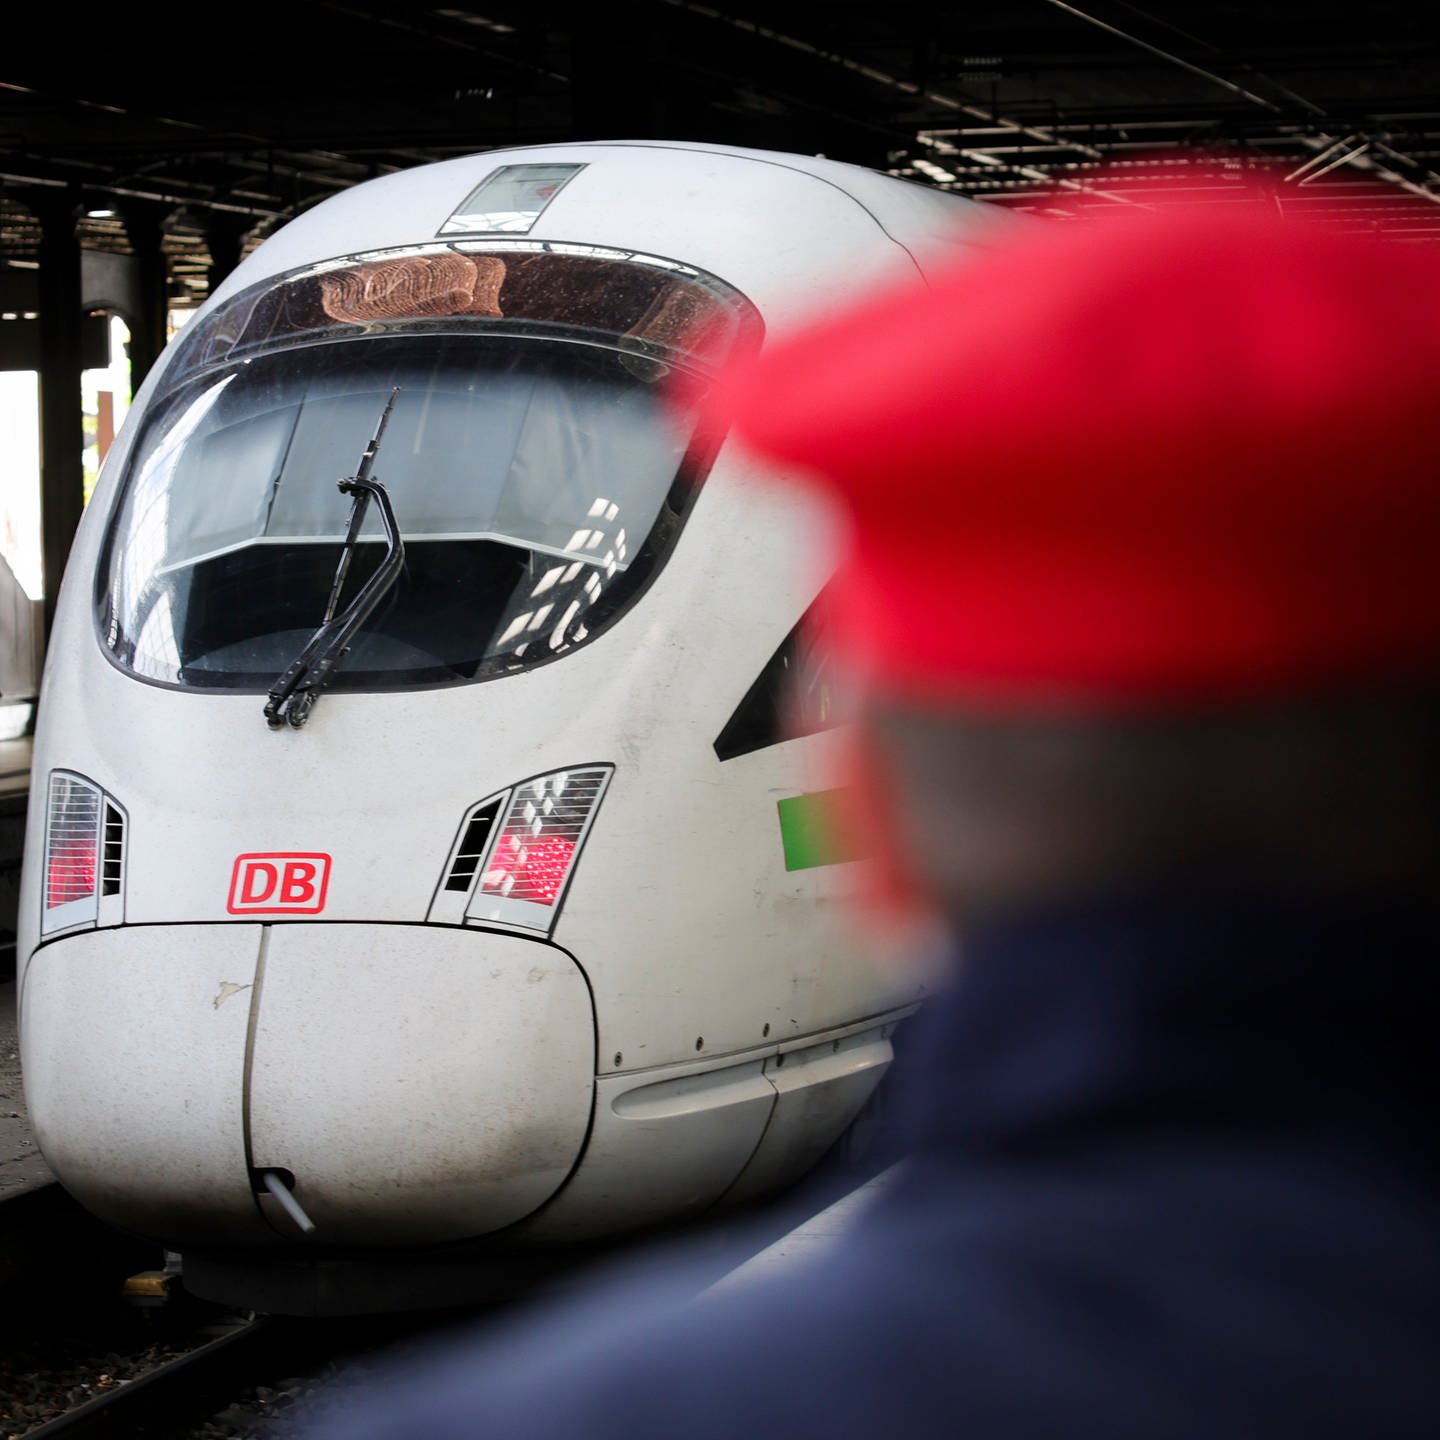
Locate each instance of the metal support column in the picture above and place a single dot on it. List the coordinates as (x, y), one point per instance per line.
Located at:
(62, 477)
(224, 239)
(145, 229)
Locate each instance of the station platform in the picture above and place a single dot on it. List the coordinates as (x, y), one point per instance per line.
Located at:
(811, 1239)
(21, 1167)
(14, 798)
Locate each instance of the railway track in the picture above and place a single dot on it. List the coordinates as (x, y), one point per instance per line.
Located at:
(67, 1337)
(229, 1383)
(78, 1359)
(175, 1396)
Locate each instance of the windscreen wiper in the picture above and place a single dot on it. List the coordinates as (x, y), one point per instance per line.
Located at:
(294, 694)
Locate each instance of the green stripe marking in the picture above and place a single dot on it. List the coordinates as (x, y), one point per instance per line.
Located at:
(812, 833)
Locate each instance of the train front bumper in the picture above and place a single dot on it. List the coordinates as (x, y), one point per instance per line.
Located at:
(410, 1084)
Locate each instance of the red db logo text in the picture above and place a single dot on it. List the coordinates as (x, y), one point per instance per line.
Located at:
(278, 884)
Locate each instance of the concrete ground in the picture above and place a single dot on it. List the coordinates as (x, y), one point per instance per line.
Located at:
(21, 1167)
(14, 792)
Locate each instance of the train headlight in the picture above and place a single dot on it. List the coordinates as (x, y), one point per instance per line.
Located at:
(516, 851)
(84, 852)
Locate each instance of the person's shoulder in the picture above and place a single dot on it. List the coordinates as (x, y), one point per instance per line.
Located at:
(990, 1296)
(824, 1330)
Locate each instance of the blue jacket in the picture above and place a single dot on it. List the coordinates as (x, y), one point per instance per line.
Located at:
(1170, 1176)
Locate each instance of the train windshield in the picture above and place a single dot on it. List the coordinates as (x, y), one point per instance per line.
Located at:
(538, 472)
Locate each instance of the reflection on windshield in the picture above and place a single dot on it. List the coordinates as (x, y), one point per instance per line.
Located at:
(536, 482)
(653, 308)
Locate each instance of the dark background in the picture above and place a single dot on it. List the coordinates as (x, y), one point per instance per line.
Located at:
(223, 133)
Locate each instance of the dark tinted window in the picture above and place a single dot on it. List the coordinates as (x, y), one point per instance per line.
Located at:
(797, 693)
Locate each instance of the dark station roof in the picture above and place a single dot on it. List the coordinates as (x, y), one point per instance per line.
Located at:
(222, 134)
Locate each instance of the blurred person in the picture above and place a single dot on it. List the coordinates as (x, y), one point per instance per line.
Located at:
(1138, 598)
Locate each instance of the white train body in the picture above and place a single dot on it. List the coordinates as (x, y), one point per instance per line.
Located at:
(292, 952)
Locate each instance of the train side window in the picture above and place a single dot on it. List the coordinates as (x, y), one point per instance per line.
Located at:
(797, 693)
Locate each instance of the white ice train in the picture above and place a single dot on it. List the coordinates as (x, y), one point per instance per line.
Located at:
(423, 858)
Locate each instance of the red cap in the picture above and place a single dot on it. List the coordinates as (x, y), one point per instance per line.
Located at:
(1153, 457)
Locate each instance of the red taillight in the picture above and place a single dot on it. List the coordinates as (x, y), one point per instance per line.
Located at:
(70, 874)
(534, 871)
(542, 829)
(72, 841)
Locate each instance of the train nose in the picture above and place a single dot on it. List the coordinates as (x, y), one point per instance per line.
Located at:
(419, 1084)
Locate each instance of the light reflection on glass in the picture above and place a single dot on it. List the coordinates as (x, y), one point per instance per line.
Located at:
(509, 200)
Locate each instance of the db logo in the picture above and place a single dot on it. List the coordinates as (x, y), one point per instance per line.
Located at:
(278, 884)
